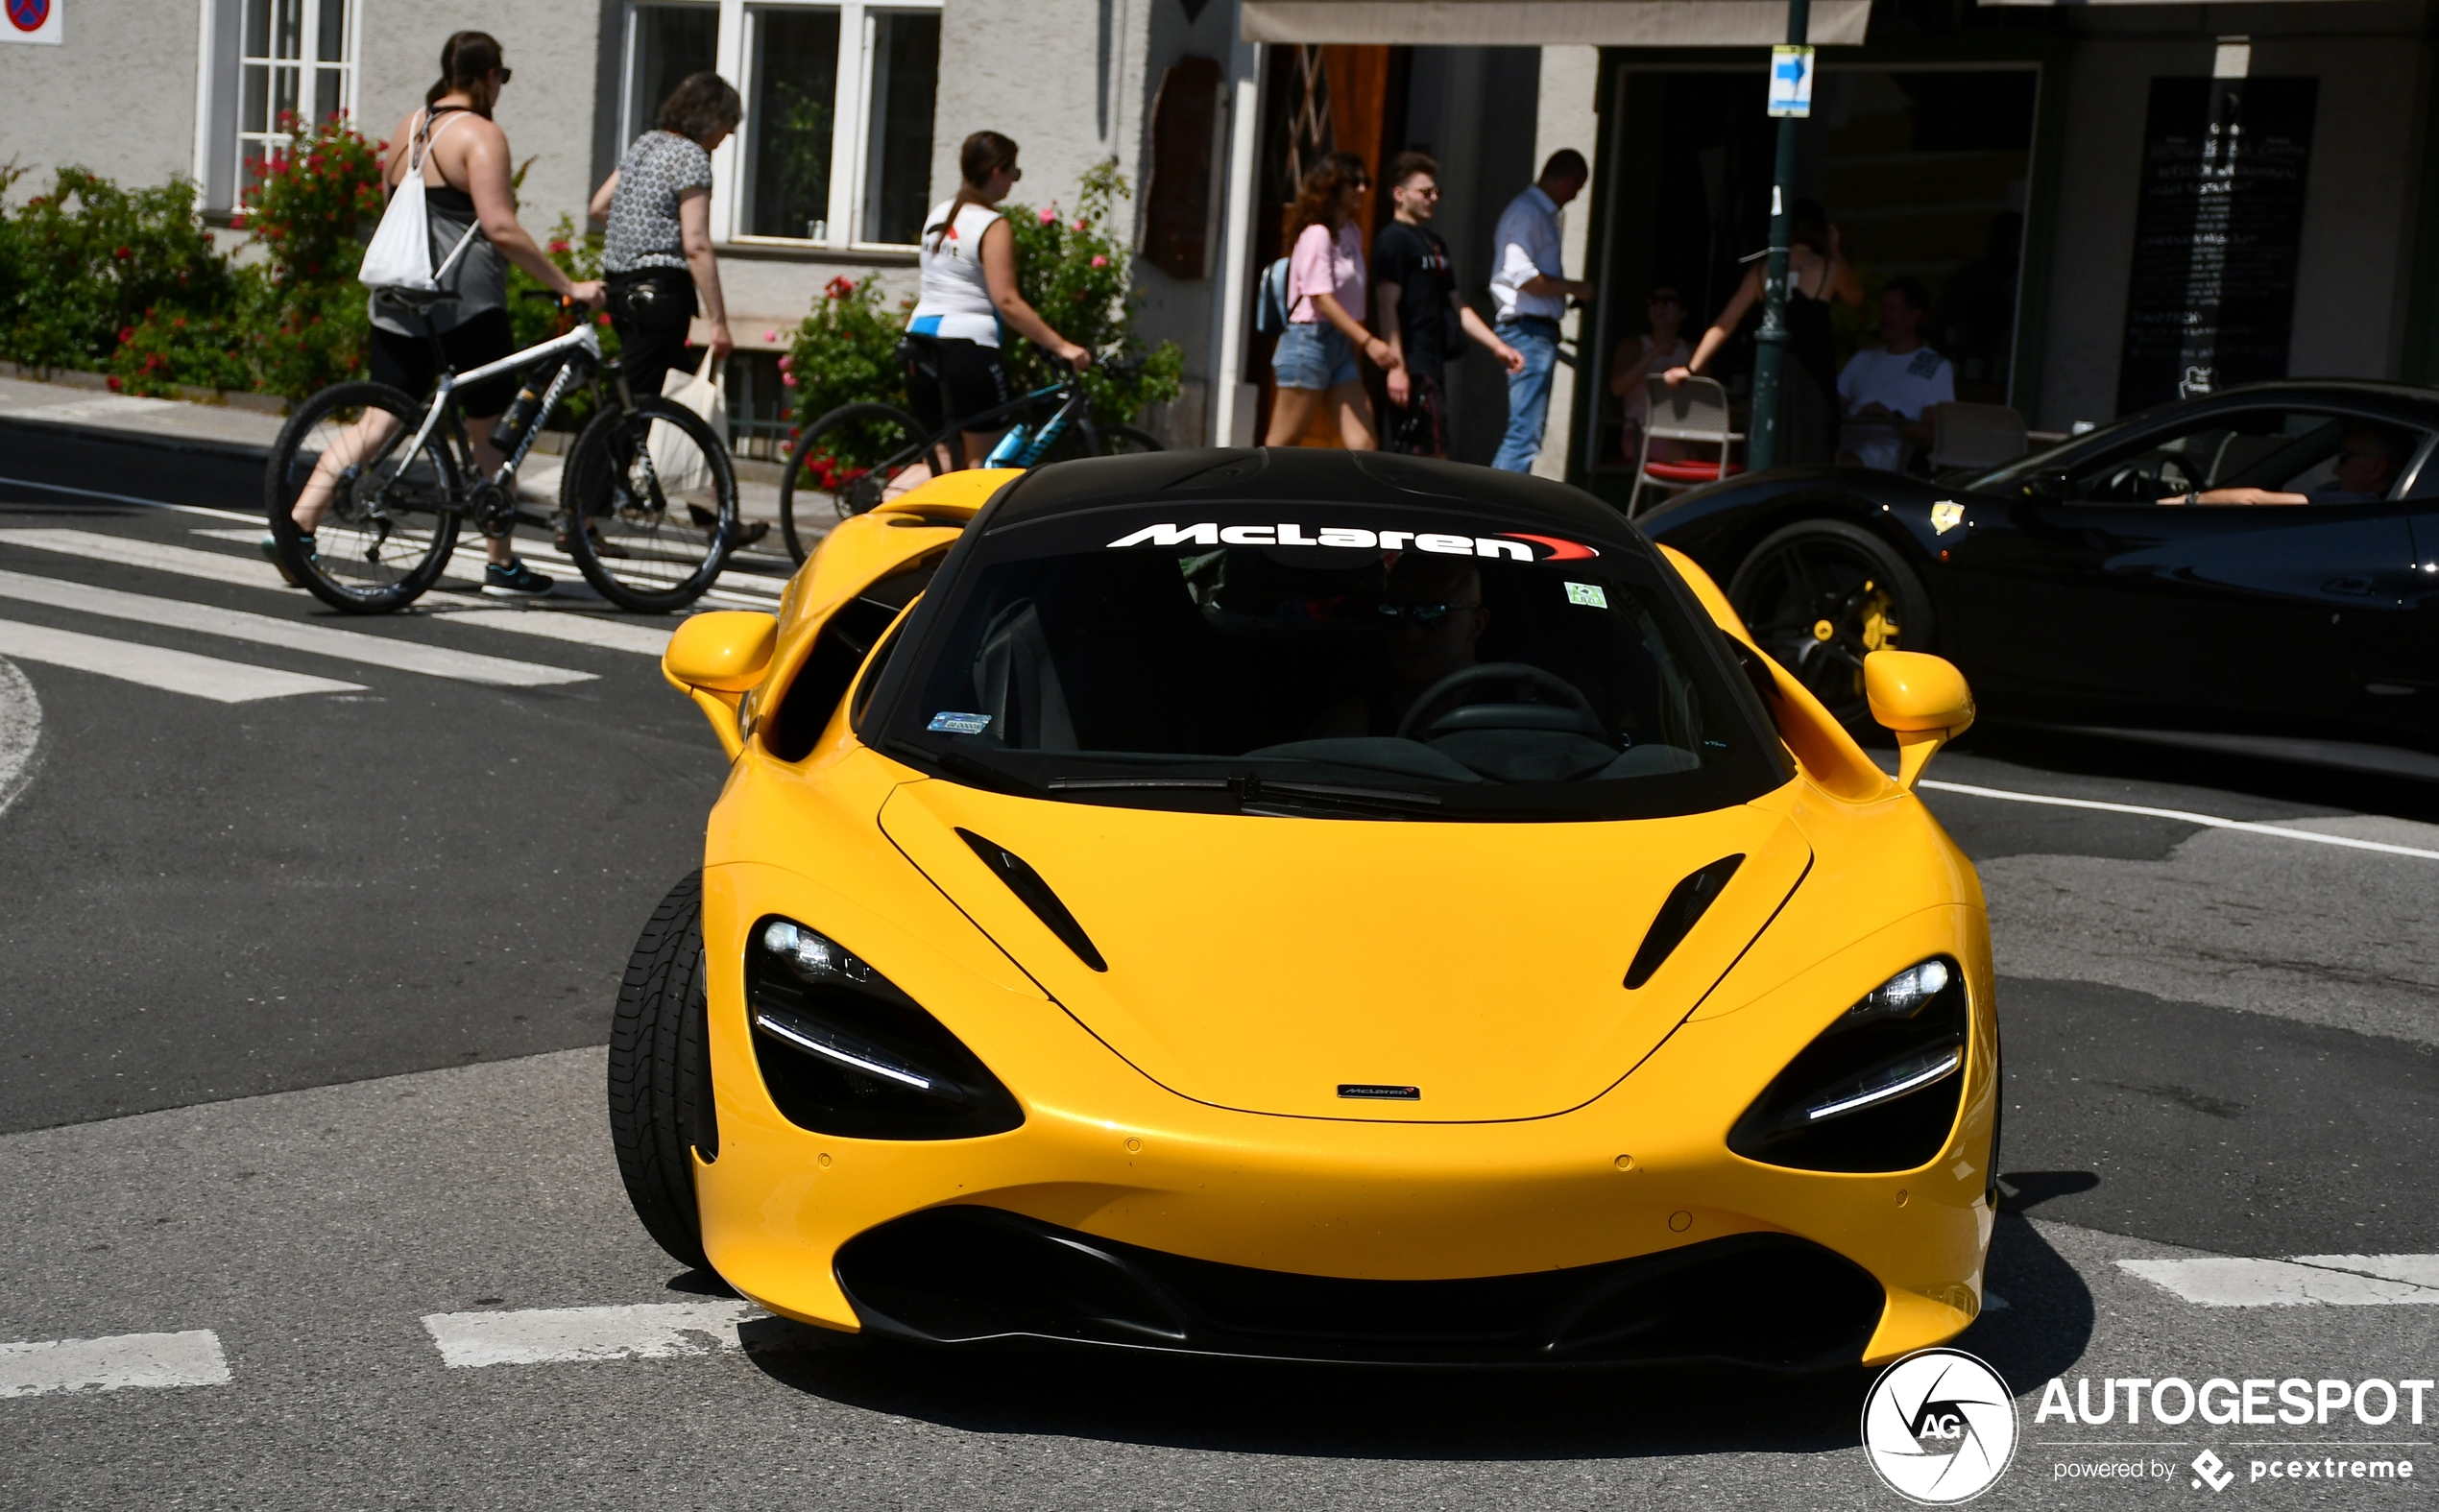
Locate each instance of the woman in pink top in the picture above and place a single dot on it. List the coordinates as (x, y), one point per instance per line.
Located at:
(1315, 355)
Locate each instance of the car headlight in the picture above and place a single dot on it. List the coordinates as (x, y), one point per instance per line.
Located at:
(1878, 1090)
(842, 1050)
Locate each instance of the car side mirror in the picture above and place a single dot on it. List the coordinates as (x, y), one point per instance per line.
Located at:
(2054, 486)
(716, 659)
(1920, 697)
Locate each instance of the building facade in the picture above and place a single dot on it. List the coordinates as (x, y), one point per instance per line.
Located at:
(2003, 155)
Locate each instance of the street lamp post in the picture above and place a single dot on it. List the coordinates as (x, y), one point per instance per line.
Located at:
(1761, 449)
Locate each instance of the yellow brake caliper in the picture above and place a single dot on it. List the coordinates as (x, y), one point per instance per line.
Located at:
(1879, 632)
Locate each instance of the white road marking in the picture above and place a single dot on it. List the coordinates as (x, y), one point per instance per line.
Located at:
(380, 651)
(2307, 1281)
(584, 630)
(2208, 821)
(543, 1335)
(128, 498)
(20, 734)
(215, 566)
(191, 1359)
(468, 561)
(157, 666)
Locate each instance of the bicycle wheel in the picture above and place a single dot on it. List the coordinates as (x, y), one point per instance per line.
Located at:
(387, 529)
(1126, 441)
(648, 500)
(842, 464)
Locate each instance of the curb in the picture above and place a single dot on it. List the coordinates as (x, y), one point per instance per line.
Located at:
(91, 430)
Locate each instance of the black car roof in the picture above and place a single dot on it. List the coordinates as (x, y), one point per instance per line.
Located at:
(1297, 475)
(2405, 400)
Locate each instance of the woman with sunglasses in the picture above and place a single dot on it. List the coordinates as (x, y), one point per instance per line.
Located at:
(1646, 356)
(967, 260)
(1315, 359)
(463, 155)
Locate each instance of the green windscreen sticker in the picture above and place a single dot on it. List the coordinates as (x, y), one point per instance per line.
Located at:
(1587, 594)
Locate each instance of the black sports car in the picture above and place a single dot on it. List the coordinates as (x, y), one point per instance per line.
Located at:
(2256, 569)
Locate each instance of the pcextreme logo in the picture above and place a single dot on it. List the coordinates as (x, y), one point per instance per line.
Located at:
(1939, 1427)
(1510, 543)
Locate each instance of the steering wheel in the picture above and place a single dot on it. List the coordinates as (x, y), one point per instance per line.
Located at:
(1464, 678)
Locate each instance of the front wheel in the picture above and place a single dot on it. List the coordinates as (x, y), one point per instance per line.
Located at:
(648, 501)
(1821, 595)
(387, 520)
(842, 464)
(660, 1109)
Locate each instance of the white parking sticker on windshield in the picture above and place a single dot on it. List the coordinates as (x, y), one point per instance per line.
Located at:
(949, 724)
(1588, 594)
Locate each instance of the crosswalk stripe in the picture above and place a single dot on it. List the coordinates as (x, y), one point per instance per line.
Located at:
(381, 651)
(2307, 1281)
(583, 630)
(158, 666)
(750, 590)
(189, 1359)
(215, 566)
(545, 1335)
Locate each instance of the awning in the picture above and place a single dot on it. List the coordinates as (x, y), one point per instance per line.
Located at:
(1544, 23)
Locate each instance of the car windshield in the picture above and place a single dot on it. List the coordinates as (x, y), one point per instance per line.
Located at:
(1365, 661)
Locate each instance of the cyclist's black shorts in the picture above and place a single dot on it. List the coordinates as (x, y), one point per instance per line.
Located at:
(406, 362)
(978, 380)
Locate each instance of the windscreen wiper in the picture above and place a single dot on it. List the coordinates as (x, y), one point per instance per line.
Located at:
(1252, 789)
(982, 774)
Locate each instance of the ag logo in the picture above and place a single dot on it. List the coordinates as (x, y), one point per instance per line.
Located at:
(1939, 1427)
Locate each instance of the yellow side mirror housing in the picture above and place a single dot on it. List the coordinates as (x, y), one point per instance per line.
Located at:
(717, 658)
(1922, 700)
(724, 652)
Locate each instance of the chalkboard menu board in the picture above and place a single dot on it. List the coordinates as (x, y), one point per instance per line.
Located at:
(2212, 300)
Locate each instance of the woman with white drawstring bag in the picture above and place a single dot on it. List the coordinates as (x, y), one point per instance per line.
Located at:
(448, 169)
(656, 211)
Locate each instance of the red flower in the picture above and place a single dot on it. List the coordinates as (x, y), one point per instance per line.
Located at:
(558, 246)
(236, 223)
(114, 383)
(1080, 223)
(841, 287)
(127, 333)
(602, 318)
(1099, 261)
(123, 253)
(1049, 216)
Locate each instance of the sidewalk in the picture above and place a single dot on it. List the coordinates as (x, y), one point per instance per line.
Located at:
(231, 430)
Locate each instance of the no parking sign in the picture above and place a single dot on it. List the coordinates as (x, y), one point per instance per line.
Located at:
(31, 21)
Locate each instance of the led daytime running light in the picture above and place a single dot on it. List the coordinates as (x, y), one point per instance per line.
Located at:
(862, 1059)
(1915, 1073)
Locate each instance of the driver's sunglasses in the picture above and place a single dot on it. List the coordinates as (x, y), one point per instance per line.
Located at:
(1423, 616)
(505, 74)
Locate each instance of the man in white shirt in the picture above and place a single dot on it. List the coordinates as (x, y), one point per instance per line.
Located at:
(1887, 394)
(1529, 286)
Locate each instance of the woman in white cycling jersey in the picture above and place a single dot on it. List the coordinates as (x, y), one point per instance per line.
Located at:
(968, 259)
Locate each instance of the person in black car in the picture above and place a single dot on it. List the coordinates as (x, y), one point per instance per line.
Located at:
(1415, 294)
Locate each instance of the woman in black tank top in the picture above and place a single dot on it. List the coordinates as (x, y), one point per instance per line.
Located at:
(1808, 380)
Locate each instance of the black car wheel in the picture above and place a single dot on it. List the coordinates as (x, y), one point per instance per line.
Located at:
(1819, 596)
(660, 1074)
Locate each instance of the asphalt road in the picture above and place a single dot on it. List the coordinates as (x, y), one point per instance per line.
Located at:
(302, 1048)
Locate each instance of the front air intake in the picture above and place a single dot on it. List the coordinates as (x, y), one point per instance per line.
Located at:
(1035, 894)
(1679, 912)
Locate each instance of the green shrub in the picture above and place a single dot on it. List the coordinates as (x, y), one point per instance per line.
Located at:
(533, 322)
(1077, 276)
(316, 202)
(86, 263)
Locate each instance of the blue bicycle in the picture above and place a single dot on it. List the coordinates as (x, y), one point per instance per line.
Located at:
(860, 454)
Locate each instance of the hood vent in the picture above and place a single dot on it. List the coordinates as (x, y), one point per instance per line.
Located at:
(1035, 894)
(1679, 912)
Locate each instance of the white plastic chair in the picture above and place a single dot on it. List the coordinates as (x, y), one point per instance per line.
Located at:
(1695, 411)
(1975, 436)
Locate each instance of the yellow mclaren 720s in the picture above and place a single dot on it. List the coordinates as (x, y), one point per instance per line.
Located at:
(1310, 906)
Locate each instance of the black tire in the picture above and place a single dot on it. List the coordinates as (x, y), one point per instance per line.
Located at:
(1125, 440)
(660, 1074)
(1820, 595)
(647, 540)
(841, 466)
(380, 545)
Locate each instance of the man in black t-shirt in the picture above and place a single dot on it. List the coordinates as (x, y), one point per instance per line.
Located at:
(1419, 311)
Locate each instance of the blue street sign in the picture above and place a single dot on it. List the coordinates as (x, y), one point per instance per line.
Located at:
(1791, 80)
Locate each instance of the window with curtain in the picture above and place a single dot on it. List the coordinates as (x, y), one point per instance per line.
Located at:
(295, 58)
(665, 44)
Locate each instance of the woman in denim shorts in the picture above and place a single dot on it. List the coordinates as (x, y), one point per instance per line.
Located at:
(1315, 355)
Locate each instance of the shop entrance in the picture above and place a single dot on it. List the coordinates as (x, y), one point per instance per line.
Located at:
(1924, 171)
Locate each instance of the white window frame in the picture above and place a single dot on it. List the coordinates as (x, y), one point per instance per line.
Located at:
(305, 66)
(850, 143)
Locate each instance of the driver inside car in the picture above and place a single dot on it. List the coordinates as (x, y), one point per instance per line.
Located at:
(2367, 465)
(1430, 614)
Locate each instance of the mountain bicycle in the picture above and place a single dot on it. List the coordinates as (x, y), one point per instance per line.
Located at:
(647, 507)
(860, 454)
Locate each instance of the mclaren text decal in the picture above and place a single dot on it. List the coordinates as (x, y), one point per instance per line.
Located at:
(1512, 543)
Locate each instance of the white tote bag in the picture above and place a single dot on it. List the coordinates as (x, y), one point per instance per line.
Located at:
(676, 460)
(400, 254)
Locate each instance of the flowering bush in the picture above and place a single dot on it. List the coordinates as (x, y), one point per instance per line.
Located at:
(846, 350)
(316, 202)
(84, 262)
(1077, 275)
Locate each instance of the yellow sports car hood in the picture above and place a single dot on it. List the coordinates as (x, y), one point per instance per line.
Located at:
(1308, 966)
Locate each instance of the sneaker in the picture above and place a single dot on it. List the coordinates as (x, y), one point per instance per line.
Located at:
(271, 554)
(515, 581)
